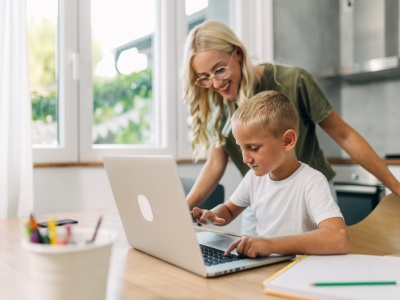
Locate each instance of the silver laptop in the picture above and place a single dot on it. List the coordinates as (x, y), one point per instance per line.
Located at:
(151, 203)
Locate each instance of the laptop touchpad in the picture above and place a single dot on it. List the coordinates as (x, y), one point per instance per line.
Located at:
(215, 240)
(222, 244)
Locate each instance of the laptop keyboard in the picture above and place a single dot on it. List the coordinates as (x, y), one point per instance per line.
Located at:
(214, 256)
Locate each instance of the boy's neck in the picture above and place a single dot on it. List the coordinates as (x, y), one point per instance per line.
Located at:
(285, 170)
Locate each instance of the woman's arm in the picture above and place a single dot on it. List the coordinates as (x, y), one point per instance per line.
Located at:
(359, 150)
(330, 238)
(210, 175)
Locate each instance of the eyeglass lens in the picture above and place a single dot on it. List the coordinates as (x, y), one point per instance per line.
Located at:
(220, 73)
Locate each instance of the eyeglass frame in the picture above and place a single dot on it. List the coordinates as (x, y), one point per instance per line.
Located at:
(210, 78)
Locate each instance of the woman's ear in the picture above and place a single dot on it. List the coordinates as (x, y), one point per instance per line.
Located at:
(290, 139)
(239, 53)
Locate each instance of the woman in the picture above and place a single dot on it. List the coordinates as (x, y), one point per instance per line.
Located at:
(218, 76)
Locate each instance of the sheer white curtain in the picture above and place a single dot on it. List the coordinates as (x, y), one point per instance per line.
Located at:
(16, 166)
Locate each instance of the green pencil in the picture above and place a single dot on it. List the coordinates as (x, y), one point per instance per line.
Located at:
(352, 283)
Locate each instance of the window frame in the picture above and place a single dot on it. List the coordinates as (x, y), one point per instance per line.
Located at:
(67, 90)
(164, 90)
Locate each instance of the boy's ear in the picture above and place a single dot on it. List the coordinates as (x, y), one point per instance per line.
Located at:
(290, 139)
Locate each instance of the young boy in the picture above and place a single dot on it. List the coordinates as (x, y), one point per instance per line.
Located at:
(292, 202)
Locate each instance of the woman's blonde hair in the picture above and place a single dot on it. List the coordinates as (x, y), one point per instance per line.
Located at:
(270, 111)
(205, 105)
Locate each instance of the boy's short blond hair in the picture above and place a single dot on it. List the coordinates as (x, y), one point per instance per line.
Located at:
(270, 111)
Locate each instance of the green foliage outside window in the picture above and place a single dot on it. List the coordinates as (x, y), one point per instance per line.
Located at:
(111, 98)
(124, 100)
(125, 94)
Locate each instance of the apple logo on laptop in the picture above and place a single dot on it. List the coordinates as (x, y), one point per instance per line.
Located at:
(145, 208)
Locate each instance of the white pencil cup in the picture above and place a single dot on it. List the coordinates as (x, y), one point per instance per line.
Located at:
(73, 271)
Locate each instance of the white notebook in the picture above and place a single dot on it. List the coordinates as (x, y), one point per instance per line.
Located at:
(295, 280)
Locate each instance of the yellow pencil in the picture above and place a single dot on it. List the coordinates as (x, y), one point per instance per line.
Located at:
(284, 269)
(52, 232)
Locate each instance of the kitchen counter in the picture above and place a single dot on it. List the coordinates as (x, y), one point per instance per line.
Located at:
(347, 161)
(332, 160)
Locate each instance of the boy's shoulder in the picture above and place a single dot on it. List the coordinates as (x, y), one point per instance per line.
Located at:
(308, 171)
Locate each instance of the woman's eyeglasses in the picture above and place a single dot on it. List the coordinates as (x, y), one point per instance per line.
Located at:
(221, 73)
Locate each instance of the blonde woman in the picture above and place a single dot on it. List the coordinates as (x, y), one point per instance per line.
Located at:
(218, 76)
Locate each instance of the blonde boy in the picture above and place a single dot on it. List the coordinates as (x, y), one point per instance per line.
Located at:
(292, 202)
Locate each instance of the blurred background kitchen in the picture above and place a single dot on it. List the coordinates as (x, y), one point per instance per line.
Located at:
(105, 79)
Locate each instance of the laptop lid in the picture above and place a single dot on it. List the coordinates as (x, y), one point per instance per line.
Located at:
(156, 219)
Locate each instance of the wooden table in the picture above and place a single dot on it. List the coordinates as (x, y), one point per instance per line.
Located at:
(133, 274)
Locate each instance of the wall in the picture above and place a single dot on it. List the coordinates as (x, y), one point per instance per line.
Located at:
(373, 110)
(307, 34)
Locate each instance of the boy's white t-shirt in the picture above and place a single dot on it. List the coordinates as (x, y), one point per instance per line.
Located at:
(291, 206)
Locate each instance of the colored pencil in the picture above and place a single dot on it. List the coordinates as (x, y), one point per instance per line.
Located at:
(353, 283)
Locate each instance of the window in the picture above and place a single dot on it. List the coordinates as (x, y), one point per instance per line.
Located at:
(42, 45)
(57, 91)
(122, 67)
(105, 76)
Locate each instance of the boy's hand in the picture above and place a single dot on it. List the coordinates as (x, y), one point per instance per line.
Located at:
(204, 216)
(250, 246)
